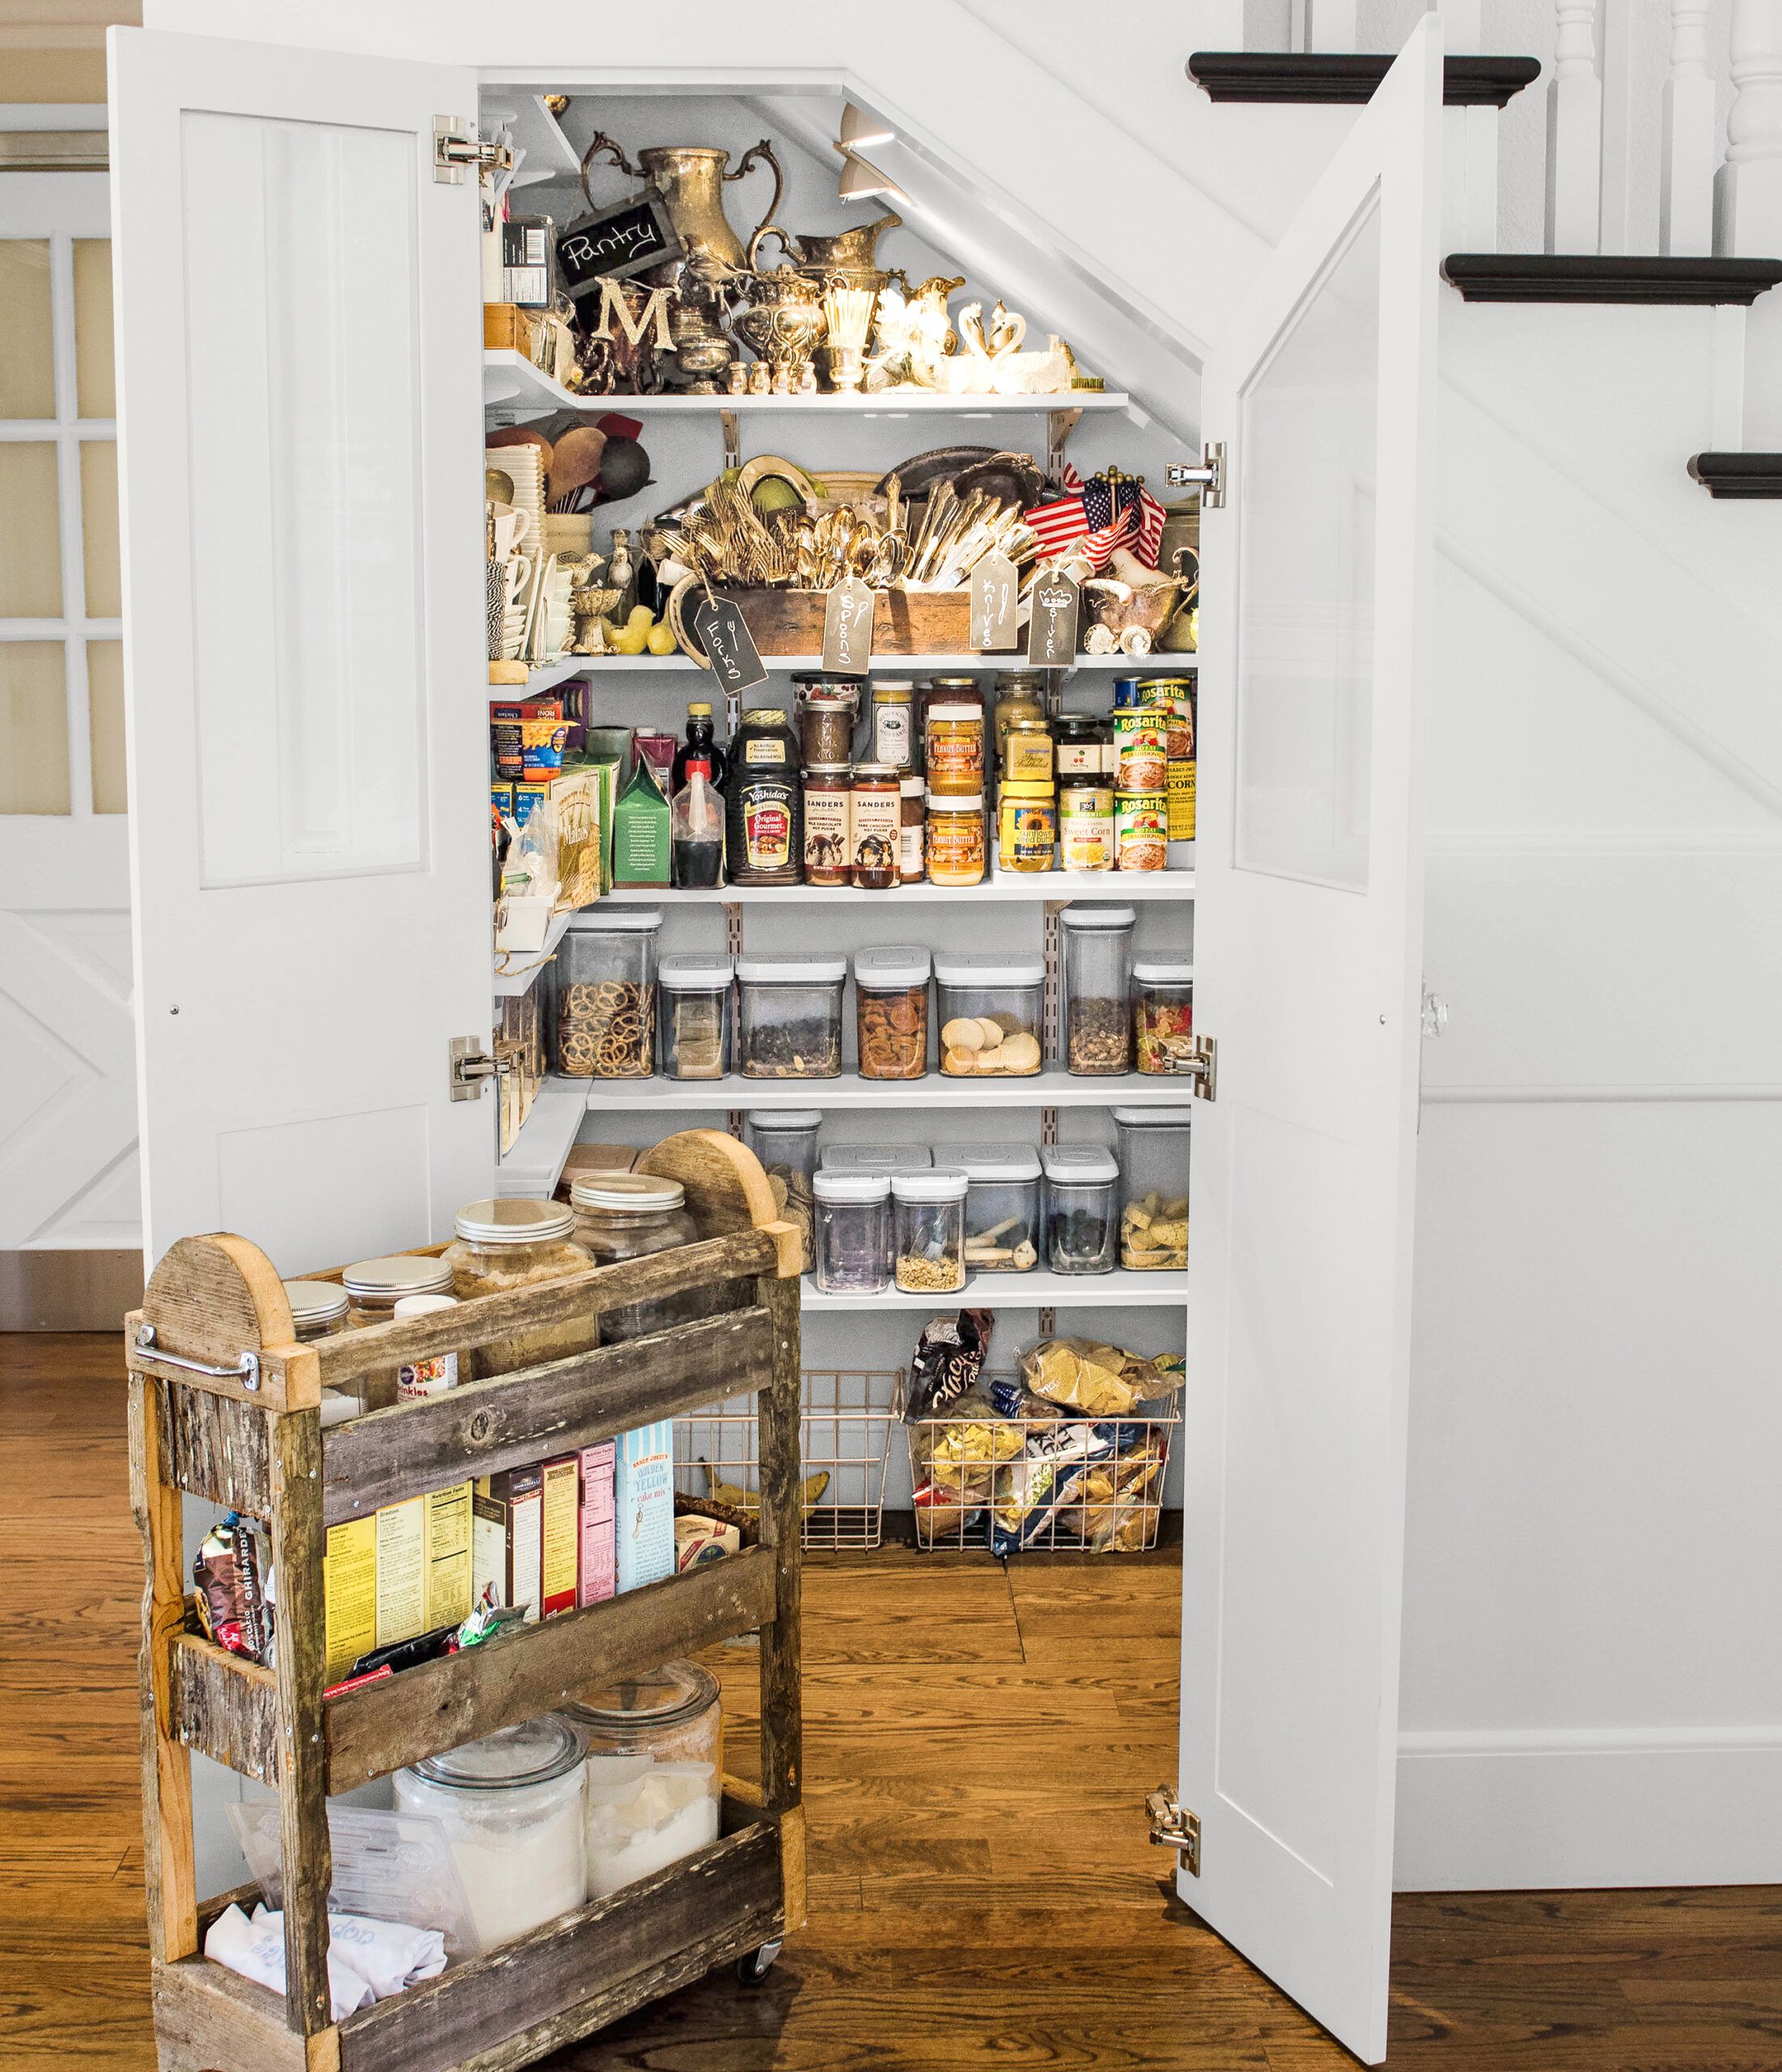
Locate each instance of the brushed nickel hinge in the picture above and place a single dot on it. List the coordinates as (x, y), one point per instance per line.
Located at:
(471, 1066)
(1174, 1827)
(456, 145)
(1201, 1067)
(1209, 475)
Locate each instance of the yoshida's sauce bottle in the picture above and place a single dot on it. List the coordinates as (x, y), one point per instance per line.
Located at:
(764, 823)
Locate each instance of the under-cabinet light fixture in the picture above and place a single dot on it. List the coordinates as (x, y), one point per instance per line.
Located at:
(860, 178)
(862, 133)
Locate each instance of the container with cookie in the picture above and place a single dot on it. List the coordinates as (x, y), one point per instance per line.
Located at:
(1153, 1153)
(991, 1010)
(603, 993)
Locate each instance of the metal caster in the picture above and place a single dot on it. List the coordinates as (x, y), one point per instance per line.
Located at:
(753, 1969)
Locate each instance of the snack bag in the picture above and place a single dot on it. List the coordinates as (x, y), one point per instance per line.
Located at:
(234, 1607)
(1046, 1477)
(1095, 1380)
(949, 1357)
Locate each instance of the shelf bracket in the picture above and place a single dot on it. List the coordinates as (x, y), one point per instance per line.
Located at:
(1059, 425)
(732, 440)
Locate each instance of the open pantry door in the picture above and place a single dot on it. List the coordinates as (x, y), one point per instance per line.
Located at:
(299, 406)
(1309, 907)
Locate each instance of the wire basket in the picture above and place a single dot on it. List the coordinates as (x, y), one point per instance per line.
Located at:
(846, 1437)
(964, 1469)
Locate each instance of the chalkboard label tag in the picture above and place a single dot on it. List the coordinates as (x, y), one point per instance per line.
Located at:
(1051, 628)
(994, 589)
(722, 631)
(847, 630)
(616, 243)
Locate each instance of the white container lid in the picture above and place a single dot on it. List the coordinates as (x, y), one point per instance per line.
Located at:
(770, 1121)
(1098, 917)
(616, 919)
(949, 802)
(995, 1161)
(955, 712)
(688, 970)
(827, 1185)
(897, 965)
(1079, 1161)
(1161, 1118)
(315, 1303)
(945, 1183)
(993, 971)
(643, 1194)
(513, 1220)
(424, 1305)
(1164, 971)
(877, 1158)
(789, 967)
(534, 1752)
(402, 1274)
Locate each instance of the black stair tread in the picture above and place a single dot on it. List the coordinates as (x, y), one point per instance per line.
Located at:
(1739, 474)
(1347, 76)
(1606, 276)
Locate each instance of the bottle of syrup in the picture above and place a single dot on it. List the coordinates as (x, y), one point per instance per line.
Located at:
(696, 829)
(701, 745)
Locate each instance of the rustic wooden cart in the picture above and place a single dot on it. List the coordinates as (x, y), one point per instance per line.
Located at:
(224, 1405)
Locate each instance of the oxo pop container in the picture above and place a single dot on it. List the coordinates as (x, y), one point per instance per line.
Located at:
(1153, 1143)
(603, 993)
(929, 1214)
(991, 1010)
(1081, 1180)
(789, 1015)
(1002, 1206)
(1098, 981)
(693, 990)
(853, 1233)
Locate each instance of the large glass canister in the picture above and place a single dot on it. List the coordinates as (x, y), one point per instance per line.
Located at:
(1002, 1205)
(853, 1232)
(515, 1242)
(1153, 1147)
(627, 1216)
(784, 1140)
(511, 1805)
(318, 1309)
(603, 993)
(654, 1756)
(1098, 989)
(374, 1287)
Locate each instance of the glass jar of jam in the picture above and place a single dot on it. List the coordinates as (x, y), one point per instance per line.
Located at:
(1083, 748)
(875, 826)
(956, 838)
(827, 852)
(825, 729)
(764, 818)
(953, 746)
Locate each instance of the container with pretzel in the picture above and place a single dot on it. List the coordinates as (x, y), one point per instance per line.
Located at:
(604, 994)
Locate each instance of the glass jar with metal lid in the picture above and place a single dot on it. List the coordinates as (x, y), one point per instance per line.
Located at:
(875, 826)
(1024, 750)
(954, 749)
(828, 796)
(954, 838)
(825, 728)
(511, 1805)
(374, 1287)
(628, 1216)
(1020, 696)
(1083, 749)
(511, 1242)
(318, 1309)
(891, 728)
(655, 1756)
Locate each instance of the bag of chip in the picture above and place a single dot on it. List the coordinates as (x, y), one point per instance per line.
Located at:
(1046, 1477)
(1095, 1380)
(234, 1605)
(948, 1358)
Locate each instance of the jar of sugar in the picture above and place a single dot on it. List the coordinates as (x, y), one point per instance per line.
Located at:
(654, 1750)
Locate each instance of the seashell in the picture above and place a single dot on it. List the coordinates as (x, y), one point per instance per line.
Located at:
(964, 1033)
(1135, 640)
(1105, 602)
(1099, 640)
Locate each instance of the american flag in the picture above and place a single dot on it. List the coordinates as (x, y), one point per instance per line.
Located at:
(1094, 518)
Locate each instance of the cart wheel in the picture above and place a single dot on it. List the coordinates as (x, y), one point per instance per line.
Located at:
(753, 1969)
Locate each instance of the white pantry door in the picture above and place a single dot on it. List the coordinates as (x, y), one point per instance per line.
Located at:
(1313, 689)
(299, 407)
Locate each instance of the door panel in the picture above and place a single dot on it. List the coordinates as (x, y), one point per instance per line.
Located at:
(300, 408)
(1313, 680)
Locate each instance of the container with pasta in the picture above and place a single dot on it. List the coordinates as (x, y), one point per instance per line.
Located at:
(604, 996)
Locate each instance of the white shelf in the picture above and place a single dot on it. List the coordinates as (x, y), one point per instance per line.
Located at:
(535, 1164)
(520, 972)
(1022, 1291)
(542, 676)
(1120, 888)
(513, 385)
(1053, 1088)
(884, 666)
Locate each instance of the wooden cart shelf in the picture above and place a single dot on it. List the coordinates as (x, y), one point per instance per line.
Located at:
(225, 1405)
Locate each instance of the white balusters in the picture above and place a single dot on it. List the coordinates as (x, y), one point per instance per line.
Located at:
(1687, 139)
(1461, 32)
(1748, 187)
(1574, 130)
(1324, 24)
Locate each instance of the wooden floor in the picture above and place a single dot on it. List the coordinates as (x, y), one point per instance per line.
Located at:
(978, 1745)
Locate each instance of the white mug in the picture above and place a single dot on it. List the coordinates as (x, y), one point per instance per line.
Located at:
(510, 528)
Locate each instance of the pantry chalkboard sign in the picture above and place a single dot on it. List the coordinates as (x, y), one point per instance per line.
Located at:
(617, 244)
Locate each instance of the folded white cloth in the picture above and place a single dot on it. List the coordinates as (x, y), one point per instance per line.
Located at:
(388, 1954)
(256, 1948)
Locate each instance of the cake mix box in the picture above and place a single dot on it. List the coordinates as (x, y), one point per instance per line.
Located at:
(597, 1571)
(643, 1503)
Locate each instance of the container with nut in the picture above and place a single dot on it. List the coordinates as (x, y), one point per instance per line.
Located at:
(928, 1213)
(891, 1011)
(1153, 1147)
(694, 1011)
(789, 1015)
(784, 1140)
(991, 1010)
(603, 993)
(1097, 983)
(1002, 1205)
(1163, 1013)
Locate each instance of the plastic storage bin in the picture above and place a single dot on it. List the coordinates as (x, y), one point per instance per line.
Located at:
(654, 1752)
(1002, 1206)
(929, 1213)
(991, 1010)
(1153, 1145)
(1097, 987)
(1163, 1013)
(853, 1232)
(887, 1158)
(1082, 1218)
(603, 994)
(891, 1011)
(693, 1014)
(789, 1015)
(784, 1140)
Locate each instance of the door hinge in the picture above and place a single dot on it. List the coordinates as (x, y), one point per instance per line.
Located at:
(1174, 1827)
(1435, 1013)
(1209, 475)
(456, 145)
(471, 1066)
(1200, 1066)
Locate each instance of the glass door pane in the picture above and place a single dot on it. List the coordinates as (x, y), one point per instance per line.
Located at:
(93, 383)
(27, 362)
(33, 727)
(30, 532)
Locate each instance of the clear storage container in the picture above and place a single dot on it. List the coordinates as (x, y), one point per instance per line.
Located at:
(693, 994)
(891, 1011)
(888, 1158)
(374, 1287)
(853, 1232)
(516, 1243)
(784, 1140)
(789, 1015)
(1153, 1145)
(603, 993)
(511, 1805)
(627, 1216)
(1097, 987)
(1002, 1206)
(655, 1759)
(991, 1010)
(318, 1309)
(1082, 1218)
(928, 1212)
(1163, 1013)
